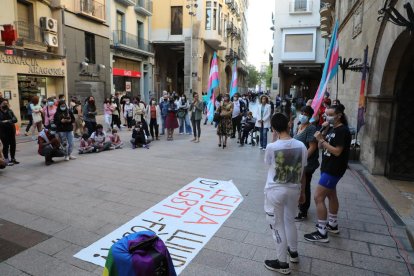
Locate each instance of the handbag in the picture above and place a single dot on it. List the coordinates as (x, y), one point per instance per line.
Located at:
(216, 117)
(181, 113)
(37, 117)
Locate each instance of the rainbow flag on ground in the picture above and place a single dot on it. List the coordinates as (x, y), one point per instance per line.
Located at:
(213, 83)
(233, 85)
(330, 69)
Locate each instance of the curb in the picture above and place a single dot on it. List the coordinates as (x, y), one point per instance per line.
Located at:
(384, 203)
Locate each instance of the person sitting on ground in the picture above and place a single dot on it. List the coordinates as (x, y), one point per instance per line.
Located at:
(248, 124)
(2, 160)
(49, 144)
(86, 145)
(116, 139)
(99, 139)
(138, 137)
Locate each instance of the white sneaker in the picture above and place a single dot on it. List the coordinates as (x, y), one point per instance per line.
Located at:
(71, 157)
(66, 158)
(181, 133)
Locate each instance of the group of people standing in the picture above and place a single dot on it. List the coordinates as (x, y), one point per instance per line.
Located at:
(284, 187)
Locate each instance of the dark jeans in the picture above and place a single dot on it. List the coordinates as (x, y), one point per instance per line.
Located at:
(91, 126)
(303, 208)
(236, 125)
(196, 128)
(49, 153)
(129, 122)
(153, 126)
(245, 133)
(30, 123)
(145, 127)
(116, 121)
(9, 142)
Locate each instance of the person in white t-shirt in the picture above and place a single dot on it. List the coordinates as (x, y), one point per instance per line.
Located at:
(285, 186)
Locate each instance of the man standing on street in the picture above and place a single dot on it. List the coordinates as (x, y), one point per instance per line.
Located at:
(164, 112)
(239, 108)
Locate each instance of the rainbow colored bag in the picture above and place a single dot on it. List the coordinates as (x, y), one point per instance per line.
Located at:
(139, 254)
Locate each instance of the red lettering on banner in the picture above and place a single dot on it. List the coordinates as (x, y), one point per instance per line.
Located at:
(187, 193)
(189, 188)
(188, 202)
(221, 204)
(224, 197)
(176, 208)
(204, 207)
(202, 220)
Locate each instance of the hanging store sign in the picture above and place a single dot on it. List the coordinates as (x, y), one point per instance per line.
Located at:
(126, 73)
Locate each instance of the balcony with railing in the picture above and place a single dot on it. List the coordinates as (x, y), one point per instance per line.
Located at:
(300, 6)
(29, 35)
(144, 7)
(229, 3)
(127, 2)
(231, 55)
(91, 8)
(130, 42)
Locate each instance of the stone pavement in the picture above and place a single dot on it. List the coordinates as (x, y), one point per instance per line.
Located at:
(77, 202)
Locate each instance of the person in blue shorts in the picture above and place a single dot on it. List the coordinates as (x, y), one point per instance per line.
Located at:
(335, 144)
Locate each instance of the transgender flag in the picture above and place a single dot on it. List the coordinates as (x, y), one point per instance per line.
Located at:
(329, 70)
(233, 86)
(213, 83)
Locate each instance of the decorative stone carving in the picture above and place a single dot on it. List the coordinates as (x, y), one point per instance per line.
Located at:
(357, 20)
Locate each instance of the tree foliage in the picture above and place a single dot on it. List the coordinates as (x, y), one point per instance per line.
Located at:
(253, 78)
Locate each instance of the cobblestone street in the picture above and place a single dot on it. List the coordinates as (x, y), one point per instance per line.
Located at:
(72, 204)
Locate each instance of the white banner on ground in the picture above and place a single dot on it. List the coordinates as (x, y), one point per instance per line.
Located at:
(185, 221)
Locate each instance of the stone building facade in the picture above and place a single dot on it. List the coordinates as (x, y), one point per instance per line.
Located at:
(387, 144)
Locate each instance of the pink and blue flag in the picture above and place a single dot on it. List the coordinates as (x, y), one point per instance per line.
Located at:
(213, 83)
(233, 86)
(329, 70)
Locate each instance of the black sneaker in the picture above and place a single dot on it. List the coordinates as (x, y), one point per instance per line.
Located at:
(316, 237)
(301, 216)
(293, 256)
(277, 266)
(15, 161)
(332, 229)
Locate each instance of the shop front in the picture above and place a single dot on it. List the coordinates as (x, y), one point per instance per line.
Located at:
(22, 77)
(127, 77)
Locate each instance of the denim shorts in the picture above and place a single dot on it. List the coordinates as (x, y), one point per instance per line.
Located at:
(329, 181)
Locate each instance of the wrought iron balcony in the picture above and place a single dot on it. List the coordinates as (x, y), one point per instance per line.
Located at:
(91, 8)
(229, 27)
(28, 34)
(300, 6)
(144, 7)
(122, 39)
(230, 3)
(231, 55)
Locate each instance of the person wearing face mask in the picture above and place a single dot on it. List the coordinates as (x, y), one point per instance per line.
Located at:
(196, 109)
(77, 113)
(239, 110)
(164, 112)
(49, 144)
(321, 113)
(64, 121)
(335, 144)
(171, 122)
(49, 111)
(8, 132)
(116, 111)
(154, 116)
(183, 115)
(129, 110)
(36, 109)
(225, 127)
(89, 114)
(305, 134)
(248, 123)
(263, 120)
(108, 111)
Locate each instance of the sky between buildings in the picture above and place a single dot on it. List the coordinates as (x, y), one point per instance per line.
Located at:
(260, 37)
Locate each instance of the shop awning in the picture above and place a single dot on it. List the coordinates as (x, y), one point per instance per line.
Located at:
(126, 73)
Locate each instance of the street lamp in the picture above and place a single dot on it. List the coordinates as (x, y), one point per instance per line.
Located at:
(391, 14)
(192, 8)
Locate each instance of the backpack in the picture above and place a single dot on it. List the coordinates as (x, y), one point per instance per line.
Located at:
(139, 254)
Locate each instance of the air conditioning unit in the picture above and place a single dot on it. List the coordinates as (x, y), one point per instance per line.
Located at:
(48, 24)
(50, 39)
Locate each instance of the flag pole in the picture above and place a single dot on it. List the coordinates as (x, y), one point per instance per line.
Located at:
(337, 86)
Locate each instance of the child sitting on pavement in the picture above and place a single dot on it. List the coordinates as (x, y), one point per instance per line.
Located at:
(99, 140)
(85, 145)
(139, 140)
(116, 140)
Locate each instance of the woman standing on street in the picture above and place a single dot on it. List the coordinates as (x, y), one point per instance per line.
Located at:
(8, 132)
(64, 121)
(183, 115)
(154, 116)
(89, 114)
(335, 146)
(108, 111)
(36, 109)
(196, 109)
(171, 122)
(225, 126)
(305, 134)
(263, 120)
(77, 113)
(49, 112)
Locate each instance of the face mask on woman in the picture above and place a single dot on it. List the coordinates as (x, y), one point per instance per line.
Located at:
(63, 108)
(51, 103)
(330, 119)
(303, 119)
(153, 102)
